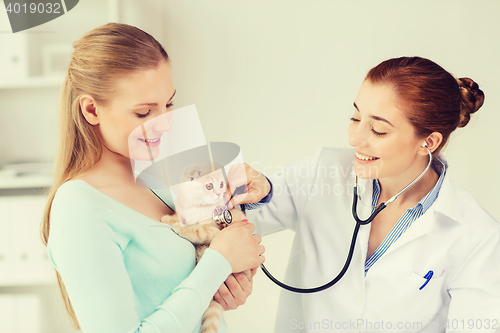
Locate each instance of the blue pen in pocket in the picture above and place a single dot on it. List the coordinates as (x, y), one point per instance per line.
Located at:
(427, 276)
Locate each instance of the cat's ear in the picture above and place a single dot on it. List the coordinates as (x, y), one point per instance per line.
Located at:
(195, 174)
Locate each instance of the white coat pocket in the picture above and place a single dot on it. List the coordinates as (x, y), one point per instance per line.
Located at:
(415, 305)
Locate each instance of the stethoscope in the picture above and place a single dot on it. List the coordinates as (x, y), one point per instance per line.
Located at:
(359, 223)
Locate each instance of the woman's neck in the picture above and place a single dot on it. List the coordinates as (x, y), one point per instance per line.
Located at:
(112, 170)
(392, 185)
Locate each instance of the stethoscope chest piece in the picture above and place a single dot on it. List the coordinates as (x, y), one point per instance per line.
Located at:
(222, 217)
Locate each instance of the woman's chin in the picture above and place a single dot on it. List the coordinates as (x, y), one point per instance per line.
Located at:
(366, 172)
(144, 154)
(363, 176)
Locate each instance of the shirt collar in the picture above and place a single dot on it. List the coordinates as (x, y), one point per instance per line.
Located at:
(440, 166)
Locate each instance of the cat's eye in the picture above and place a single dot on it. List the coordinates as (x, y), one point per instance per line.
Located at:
(209, 186)
(221, 184)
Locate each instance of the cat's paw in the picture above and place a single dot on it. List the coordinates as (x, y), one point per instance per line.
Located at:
(178, 229)
(170, 219)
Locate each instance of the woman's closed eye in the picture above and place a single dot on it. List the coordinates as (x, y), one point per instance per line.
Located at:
(373, 130)
(143, 115)
(378, 133)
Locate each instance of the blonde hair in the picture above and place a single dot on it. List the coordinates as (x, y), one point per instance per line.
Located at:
(100, 57)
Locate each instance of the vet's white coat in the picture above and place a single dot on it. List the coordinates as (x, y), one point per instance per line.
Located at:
(456, 239)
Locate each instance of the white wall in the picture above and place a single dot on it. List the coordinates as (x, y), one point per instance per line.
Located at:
(279, 78)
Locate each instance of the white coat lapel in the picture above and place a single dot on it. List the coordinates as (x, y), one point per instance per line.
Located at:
(418, 228)
(425, 223)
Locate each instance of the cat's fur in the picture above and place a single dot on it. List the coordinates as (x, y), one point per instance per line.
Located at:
(196, 202)
(200, 191)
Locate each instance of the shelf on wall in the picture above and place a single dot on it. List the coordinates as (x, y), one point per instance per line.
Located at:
(35, 181)
(28, 283)
(33, 82)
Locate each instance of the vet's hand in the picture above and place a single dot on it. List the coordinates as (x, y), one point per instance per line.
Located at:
(235, 290)
(257, 184)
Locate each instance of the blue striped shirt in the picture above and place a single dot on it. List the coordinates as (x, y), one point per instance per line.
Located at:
(410, 215)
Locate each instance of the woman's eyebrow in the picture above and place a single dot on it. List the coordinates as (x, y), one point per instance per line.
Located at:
(381, 119)
(173, 95)
(155, 104)
(375, 117)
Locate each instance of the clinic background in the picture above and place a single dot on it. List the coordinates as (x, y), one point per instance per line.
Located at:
(276, 77)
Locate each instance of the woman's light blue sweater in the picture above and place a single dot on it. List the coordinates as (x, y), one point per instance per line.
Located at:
(125, 272)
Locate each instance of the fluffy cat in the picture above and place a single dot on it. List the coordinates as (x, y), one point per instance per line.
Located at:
(201, 191)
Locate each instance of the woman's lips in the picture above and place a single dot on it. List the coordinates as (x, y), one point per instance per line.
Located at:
(365, 158)
(150, 142)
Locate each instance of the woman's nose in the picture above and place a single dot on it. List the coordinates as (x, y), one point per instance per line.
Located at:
(358, 135)
(162, 122)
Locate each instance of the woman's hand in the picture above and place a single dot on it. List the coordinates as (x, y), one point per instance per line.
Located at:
(257, 185)
(239, 246)
(235, 290)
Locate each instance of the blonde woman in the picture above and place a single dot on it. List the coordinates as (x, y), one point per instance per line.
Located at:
(119, 269)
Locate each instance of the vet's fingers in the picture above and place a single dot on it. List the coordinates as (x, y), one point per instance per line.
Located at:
(233, 285)
(258, 189)
(234, 296)
(228, 297)
(248, 275)
(238, 199)
(245, 281)
(257, 237)
(219, 299)
(254, 194)
(257, 185)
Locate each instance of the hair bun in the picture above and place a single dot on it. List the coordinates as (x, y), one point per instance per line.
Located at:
(472, 99)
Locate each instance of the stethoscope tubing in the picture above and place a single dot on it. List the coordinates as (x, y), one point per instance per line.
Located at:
(325, 286)
(359, 223)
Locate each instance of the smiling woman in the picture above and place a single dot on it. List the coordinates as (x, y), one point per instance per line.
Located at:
(122, 269)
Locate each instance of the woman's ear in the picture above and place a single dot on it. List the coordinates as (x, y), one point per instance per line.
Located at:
(433, 141)
(88, 106)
